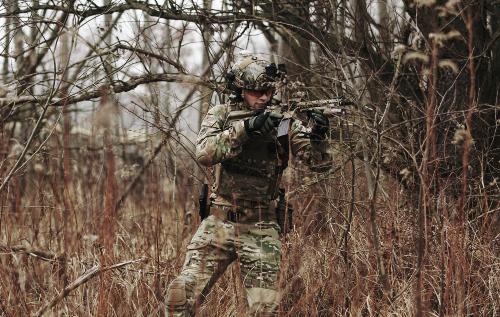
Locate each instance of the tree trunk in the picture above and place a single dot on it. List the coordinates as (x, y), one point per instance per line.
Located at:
(295, 51)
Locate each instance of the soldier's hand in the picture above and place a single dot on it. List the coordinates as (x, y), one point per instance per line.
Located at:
(320, 124)
(262, 123)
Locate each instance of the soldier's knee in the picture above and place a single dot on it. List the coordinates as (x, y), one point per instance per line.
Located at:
(176, 293)
(262, 302)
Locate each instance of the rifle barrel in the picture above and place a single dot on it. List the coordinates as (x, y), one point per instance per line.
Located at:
(324, 102)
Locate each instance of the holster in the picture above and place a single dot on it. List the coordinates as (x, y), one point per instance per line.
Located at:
(284, 213)
(204, 202)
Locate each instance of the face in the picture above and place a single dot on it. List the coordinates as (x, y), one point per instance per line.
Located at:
(256, 99)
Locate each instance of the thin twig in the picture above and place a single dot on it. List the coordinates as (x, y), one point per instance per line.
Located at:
(40, 254)
(168, 134)
(14, 168)
(93, 272)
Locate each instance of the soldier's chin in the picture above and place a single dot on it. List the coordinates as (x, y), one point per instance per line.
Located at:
(259, 106)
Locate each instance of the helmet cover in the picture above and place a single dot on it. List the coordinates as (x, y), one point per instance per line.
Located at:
(252, 73)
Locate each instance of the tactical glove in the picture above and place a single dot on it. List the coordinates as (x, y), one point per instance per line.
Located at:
(320, 124)
(262, 123)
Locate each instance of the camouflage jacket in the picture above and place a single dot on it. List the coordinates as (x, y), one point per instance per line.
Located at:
(250, 169)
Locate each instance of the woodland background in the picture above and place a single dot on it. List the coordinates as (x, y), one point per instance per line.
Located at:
(100, 102)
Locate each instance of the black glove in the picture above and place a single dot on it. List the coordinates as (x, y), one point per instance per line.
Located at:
(320, 124)
(262, 123)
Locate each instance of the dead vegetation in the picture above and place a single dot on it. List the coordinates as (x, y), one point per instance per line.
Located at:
(100, 104)
(51, 257)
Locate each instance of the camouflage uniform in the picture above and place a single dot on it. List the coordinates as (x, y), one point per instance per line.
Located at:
(242, 225)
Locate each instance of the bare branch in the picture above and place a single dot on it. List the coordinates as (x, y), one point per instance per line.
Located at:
(163, 58)
(90, 274)
(40, 254)
(118, 87)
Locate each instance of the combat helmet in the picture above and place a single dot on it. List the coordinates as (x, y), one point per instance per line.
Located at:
(252, 73)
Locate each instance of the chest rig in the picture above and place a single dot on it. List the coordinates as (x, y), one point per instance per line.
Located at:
(253, 175)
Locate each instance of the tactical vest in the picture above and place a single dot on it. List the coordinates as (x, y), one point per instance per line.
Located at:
(254, 175)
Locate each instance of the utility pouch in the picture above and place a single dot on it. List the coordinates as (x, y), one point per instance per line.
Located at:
(284, 213)
(203, 200)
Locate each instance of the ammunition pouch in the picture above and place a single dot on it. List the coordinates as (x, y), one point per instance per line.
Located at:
(284, 213)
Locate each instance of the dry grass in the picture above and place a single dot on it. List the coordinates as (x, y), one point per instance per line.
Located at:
(59, 236)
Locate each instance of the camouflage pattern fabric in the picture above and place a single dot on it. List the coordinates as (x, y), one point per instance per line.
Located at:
(250, 73)
(215, 245)
(257, 160)
(249, 172)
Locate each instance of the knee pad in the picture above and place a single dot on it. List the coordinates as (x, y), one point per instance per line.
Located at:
(176, 293)
(262, 302)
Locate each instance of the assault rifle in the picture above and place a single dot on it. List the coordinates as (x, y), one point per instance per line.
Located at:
(330, 107)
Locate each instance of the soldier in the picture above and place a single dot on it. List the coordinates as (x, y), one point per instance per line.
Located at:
(249, 160)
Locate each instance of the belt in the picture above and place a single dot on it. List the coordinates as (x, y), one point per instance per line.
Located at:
(249, 212)
(250, 204)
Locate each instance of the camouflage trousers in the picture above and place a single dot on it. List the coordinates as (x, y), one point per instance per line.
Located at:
(217, 244)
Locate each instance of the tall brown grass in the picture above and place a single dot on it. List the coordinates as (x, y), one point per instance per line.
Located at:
(54, 229)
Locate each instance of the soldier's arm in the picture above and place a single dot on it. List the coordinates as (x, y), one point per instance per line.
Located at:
(217, 139)
(313, 153)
